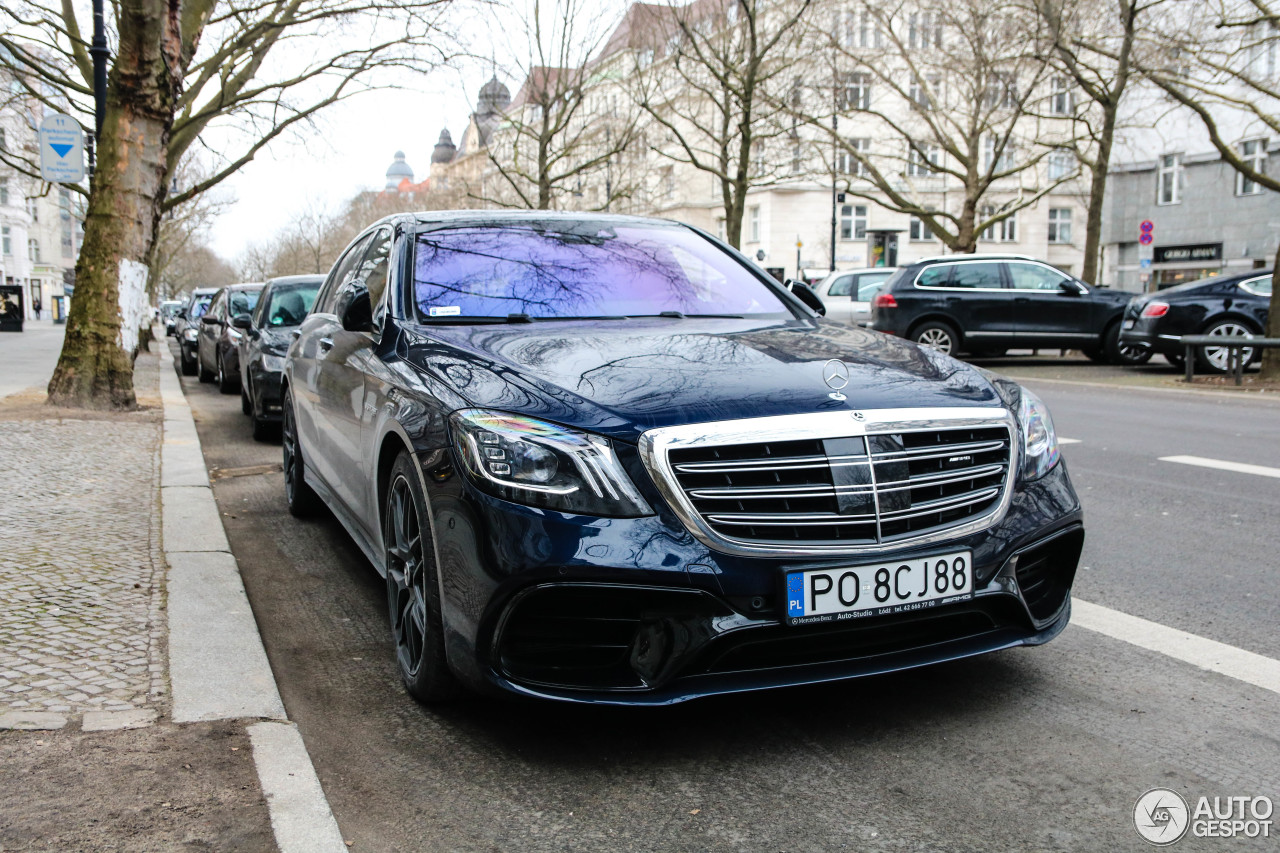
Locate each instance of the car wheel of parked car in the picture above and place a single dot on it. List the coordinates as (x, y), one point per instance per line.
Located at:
(202, 374)
(188, 365)
(1122, 353)
(938, 335)
(302, 500)
(413, 591)
(246, 404)
(227, 382)
(1177, 360)
(1218, 359)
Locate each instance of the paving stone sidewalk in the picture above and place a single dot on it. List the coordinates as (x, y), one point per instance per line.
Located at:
(81, 570)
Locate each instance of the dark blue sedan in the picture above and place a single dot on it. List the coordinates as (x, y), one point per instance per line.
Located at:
(264, 340)
(607, 459)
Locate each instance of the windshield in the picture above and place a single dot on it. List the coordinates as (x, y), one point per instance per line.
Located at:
(287, 305)
(241, 301)
(562, 271)
(199, 305)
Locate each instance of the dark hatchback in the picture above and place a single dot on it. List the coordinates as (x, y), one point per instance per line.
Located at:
(187, 327)
(266, 335)
(606, 459)
(986, 304)
(1229, 306)
(217, 353)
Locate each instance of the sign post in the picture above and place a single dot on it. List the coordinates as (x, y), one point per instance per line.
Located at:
(1146, 235)
(61, 150)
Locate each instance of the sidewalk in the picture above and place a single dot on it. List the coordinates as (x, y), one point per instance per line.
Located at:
(137, 711)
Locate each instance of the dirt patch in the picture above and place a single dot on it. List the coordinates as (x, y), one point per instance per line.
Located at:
(1251, 382)
(163, 788)
(31, 404)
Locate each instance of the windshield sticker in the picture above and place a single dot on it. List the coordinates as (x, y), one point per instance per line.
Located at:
(445, 311)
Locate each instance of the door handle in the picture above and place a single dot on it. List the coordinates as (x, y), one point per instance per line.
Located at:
(1021, 300)
(326, 344)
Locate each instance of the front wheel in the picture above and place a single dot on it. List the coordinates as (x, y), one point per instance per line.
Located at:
(1119, 352)
(227, 382)
(937, 335)
(202, 374)
(413, 590)
(302, 499)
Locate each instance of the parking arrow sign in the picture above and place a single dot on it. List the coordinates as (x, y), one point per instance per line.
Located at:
(61, 149)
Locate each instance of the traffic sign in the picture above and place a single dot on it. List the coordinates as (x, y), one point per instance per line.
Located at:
(61, 149)
(1144, 263)
(1147, 226)
(1145, 238)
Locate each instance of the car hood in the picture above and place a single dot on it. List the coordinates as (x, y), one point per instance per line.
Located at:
(275, 340)
(621, 378)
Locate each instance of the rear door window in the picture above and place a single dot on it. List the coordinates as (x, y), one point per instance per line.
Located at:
(977, 276)
(869, 285)
(1260, 286)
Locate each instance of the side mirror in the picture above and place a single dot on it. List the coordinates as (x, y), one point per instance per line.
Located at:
(806, 295)
(1070, 288)
(207, 320)
(182, 315)
(355, 309)
(242, 321)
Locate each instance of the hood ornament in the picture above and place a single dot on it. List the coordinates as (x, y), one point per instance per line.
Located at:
(836, 374)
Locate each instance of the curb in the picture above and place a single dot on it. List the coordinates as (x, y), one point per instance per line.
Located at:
(218, 668)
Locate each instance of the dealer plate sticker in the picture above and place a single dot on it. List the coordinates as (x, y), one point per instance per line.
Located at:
(878, 589)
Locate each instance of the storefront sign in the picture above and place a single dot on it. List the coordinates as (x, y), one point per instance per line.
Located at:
(1183, 254)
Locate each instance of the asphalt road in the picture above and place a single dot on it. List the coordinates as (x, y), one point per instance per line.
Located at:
(1031, 749)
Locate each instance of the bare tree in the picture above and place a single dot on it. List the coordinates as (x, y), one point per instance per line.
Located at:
(1220, 59)
(233, 75)
(716, 77)
(1092, 42)
(557, 131)
(183, 233)
(944, 100)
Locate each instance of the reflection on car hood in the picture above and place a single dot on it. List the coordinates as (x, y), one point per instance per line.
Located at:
(621, 378)
(275, 340)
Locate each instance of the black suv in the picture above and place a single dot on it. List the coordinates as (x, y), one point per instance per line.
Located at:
(986, 304)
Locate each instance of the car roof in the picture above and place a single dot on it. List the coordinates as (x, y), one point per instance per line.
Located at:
(248, 285)
(308, 278)
(1207, 283)
(428, 218)
(990, 256)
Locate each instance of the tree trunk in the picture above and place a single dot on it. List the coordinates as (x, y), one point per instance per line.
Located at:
(1271, 357)
(95, 369)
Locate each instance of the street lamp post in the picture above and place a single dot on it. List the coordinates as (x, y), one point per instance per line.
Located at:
(98, 50)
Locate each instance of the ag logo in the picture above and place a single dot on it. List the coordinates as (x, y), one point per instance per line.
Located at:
(1161, 816)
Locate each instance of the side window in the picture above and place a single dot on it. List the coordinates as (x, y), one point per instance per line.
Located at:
(373, 270)
(1034, 277)
(341, 272)
(263, 299)
(842, 286)
(869, 285)
(215, 308)
(976, 276)
(935, 276)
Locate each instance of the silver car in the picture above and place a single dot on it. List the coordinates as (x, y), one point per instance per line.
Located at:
(847, 293)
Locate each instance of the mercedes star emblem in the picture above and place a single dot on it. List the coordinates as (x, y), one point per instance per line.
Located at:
(836, 374)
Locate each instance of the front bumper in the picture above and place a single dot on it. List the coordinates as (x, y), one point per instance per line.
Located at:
(638, 612)
(267, 389)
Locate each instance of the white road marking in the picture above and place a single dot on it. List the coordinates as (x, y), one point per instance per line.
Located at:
(1062, 440)
(1198, 651)
(1222, 465)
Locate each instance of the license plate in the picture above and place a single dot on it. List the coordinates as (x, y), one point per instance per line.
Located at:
(1128, 324)
(878, 589)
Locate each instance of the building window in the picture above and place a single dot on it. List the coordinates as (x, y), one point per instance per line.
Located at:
(68, 246)
(753, 217)
(853, 222)
(922, 92)
(4, 142)
(1004, 231)
(1059, 225)
(996, 158)
(33, 251)
(869, 31)
(1254, 154)
(1002, 91)
(922, 160)
(919, 231)
(1061, 165)
(1169, 179)
(1261, 47)
(7, 238)
(720, 227)
(1062, 100)
(924, 29)
(847, 159)
(854, 91)
(4, 191)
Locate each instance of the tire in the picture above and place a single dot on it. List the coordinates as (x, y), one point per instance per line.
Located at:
(1122, 353)
(1179, 360)
(302, 500)
(937, 335)
(1217, 359)
(246, 404)
(413, 589)
(188, 366)
(1095, 355)
(228, 383)
(202, 374)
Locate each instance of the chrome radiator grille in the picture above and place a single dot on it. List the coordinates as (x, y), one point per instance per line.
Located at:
(854, 491)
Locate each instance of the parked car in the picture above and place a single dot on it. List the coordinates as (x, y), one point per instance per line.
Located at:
(847, 293)
(266, 335)
(169, 314)
(607, 459)
(1235, 305)
(216, 355)
(986, 304)
(187, 327)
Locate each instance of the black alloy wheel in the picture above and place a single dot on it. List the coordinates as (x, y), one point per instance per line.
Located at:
(303, 501)
(202, 374)
(413, 592)
(226, 382)
(1118, 352)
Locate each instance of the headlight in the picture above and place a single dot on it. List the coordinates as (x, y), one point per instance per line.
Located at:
(190, 334)
(272, 363)
(544, 465)
(1039, 441)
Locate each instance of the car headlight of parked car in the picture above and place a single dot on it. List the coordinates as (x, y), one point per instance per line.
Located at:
(1039, 441)
(190, 334)
(541, 464)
